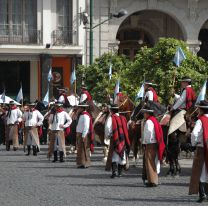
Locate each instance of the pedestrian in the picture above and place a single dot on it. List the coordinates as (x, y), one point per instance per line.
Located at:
(116, 130)
(59, 121)
(84, 137)
(153, 148)
(33, 120)
(199, 139)
(13, 118)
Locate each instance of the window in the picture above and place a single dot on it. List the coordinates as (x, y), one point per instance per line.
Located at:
(19, 21)
(63, 34)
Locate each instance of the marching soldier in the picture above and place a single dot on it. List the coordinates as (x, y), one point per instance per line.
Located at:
(150, 93)
(85, 137)
(59, 120)
(199, 138)
(13, 118)
(154, 147)
(33, 119)
(85, 96)
(187, 98)
(116, 130)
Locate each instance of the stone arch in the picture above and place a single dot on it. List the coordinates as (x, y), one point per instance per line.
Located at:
(150, 25)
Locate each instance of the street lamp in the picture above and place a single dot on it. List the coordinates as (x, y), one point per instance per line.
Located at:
(120, 14)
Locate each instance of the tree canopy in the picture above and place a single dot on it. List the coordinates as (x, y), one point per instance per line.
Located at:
(152, 64)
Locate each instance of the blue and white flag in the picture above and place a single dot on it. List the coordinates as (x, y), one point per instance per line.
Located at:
(50, 75)
(19, 97)
(179, 56)
(46, 98)
(110, 71)
(202, 94)
(73, 76)
(117, 88)
(141, 92)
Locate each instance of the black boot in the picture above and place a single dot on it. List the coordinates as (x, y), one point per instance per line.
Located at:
(34, 150)
(120, 167)
(61, 156)
(28, 150)
(202, 193)
(55, 156)
(7, 146)
(114, 168)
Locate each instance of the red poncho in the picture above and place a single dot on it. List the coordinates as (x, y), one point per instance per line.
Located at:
(155, 97)
(159, 137)
(204, 120)
(89, 97)
(190, 97)
(120, 134)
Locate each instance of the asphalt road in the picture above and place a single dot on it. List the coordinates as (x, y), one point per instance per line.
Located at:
(34, 181)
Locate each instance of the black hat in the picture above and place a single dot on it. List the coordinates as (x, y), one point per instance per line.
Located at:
(150, 83)
(12, 102)
(147, 109)
(85, 105)
(203, 104)
(114, 106)
(59, 104)
(83, 87)
(186, 79)
(62, 89)
(31, 104)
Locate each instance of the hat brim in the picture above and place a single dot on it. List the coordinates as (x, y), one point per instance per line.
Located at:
(185, 80)
(147, 111)
(82, 105)
(202, 107)
(150, 83)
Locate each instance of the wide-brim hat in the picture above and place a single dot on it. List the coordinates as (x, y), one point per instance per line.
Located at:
(83, 105)
(32, 104)
(147, 109)
(83, 87)
(62, 89)
(59, 104)
(203, 104)
(114, 106)
(150, 83)
(12, 103)
(185, 79)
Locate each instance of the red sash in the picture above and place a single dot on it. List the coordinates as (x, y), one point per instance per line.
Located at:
(91, 132)
(204, 121)
(159, 137)
(190, 97)
(89, 97)
(155, 97)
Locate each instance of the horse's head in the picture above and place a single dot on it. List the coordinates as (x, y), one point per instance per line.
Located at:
(137, 112)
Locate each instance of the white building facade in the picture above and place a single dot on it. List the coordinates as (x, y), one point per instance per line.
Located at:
(36, 35)
(146, 22)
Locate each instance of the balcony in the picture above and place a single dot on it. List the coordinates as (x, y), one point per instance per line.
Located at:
(19, 36)
(62, 37)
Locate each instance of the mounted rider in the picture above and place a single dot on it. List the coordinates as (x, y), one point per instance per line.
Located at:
(85, 96)
(150, 93)
(187, 98)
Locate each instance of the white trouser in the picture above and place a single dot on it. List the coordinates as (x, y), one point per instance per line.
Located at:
(204, 175)
(116, 158)
(57, 144)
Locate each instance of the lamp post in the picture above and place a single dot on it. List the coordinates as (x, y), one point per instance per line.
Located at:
(120, 14)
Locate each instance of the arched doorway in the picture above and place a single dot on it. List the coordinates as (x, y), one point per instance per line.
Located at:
(203, 38)
(144, 28)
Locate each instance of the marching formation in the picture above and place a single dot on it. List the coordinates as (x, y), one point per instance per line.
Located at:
(156, 131)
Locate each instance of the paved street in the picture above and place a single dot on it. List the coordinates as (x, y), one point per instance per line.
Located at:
(31, 181)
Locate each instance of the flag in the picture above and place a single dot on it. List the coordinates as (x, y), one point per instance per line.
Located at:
(73, 76)
(117, 88)
(110, 71)
(3, 96)
(179, 56)
(140, 94)
(19, 97)
(50, 75)
(46, 98)
(202, 94)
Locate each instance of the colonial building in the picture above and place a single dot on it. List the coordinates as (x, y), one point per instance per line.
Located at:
(36, 35)
(146, 22)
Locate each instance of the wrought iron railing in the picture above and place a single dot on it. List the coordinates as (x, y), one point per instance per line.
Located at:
(19, 36)
(62, 37)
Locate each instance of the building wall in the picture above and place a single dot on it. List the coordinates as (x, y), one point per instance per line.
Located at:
(190, 15)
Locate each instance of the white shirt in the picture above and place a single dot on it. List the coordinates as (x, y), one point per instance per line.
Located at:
(33, 119)
(83, 125)
(60, 118)
(15, 115)
(197, 134)
(181, 101)
(61, 99)
(83, 98)
(149, 133)
(149, 95)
